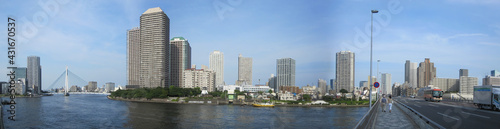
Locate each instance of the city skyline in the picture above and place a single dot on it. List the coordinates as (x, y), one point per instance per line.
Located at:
(93, 46)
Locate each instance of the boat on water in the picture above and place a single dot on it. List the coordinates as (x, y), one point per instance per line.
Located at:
(263, 105)
(66, 94)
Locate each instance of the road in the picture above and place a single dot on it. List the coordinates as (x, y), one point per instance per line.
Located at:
(454, 115)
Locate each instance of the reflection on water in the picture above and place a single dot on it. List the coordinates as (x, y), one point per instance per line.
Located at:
(95, 111)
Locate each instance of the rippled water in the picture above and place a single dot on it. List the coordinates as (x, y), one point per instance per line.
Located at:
(96, 111)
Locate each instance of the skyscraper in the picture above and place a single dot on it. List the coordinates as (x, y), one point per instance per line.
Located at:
(244, 70)
(133, 56)
(154, 48)
(386, 84)
(180, 60)
(332, 84)
(216, 63)
(345, 71)
(426, 72)
(322, 87)
(411, 73)
(285, 71)
(34, 74)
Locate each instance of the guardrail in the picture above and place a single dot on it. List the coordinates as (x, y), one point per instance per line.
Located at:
(366, 121)
(422, 121)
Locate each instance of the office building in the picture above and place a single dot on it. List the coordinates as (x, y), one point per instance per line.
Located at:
(92, 86)
(180, 59)
(363, 83)
(216, 63)
(133, 56)
(386, 83)
(285, 70)
(34, 74)
(244, 70)
(204, 79)
(426, 72)
(345, 71)
(154, 49)
(411, 73)
(109, 87)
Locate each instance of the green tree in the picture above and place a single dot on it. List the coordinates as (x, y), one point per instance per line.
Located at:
(328, 98)
(306, 97)
(270, 91)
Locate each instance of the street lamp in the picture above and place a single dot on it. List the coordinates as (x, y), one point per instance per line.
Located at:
(371, 52)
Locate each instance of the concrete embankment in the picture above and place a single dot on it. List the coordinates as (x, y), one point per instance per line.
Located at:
(181, 100)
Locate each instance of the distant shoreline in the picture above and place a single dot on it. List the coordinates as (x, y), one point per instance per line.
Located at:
(216, 102)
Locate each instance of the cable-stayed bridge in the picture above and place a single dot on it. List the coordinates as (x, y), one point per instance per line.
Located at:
(73, 79)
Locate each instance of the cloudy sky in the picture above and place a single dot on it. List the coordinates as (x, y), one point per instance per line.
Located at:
(89, 36)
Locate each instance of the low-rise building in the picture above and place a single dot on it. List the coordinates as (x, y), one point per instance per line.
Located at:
(202, 78)
(287, 96)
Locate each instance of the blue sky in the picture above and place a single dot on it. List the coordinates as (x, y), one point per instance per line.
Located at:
(90, 36)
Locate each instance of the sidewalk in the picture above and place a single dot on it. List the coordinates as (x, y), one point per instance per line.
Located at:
(395, 120)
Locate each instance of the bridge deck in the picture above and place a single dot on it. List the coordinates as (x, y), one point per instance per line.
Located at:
(397, 119)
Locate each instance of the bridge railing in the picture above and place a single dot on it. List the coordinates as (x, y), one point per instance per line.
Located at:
(419, 119)
(366, 122)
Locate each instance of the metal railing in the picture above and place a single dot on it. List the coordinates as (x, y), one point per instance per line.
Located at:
(366, 121)
(422, 117)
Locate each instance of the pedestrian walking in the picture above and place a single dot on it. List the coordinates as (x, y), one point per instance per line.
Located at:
(384, 101)
(390, 103)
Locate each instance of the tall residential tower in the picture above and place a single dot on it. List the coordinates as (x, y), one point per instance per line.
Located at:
(133, 56)
(154, 49)
(244, 70)
(216, 64)
(180, 60)
(34, 74)
(285, 70)
(345, 71)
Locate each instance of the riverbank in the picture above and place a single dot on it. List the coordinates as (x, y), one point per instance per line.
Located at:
(181, 100)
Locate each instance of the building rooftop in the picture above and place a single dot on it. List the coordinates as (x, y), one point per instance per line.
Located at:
(153, 10)
(178, 38)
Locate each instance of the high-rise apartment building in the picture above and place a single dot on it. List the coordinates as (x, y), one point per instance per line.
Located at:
(495, 73)
(426, 72)
(34, 74)
(244, 70)
(285, 70)
(180, 60)
(322, 87)
(133, 56)
(386, 84)
(154, 49)
(411, 73)
(445, 84)
(216, 63)
(467, 84)
(345, 71)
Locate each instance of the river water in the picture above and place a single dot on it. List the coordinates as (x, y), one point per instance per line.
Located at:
(96, 111)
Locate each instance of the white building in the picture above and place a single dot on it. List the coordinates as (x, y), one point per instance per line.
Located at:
(467, 84)
(287, 96)
(205, 79)
(216, 63)
(322, 87)
(109, 87)
(386, 84)
(255, 89)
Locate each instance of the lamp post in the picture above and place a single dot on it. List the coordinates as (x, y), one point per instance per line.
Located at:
(371, 52)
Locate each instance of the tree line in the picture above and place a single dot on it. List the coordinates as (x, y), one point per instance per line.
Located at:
(158, 92)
